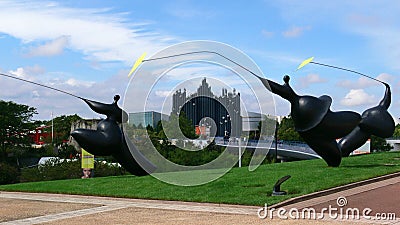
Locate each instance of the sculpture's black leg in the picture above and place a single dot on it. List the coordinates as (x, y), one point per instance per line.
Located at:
(352, 141)
(328, 149)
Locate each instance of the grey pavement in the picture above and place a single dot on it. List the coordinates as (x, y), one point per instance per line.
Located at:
(369, 194)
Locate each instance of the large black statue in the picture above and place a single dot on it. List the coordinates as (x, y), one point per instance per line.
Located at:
(109, 139)
(320, 127)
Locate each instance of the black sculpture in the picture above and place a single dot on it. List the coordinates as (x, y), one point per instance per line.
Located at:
(320, 127)
(109, 139)
(276, 190)
(374, 121)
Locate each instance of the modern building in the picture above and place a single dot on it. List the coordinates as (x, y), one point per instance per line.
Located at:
(251, 121)
(219, 114)
(146, 118)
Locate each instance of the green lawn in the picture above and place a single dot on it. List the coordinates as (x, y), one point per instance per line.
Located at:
(239, 186)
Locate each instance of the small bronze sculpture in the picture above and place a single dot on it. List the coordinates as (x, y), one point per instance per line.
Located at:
(320, 127)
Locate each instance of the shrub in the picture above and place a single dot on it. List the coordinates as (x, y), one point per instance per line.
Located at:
(103, 169)
(57, 169)
(8, 174)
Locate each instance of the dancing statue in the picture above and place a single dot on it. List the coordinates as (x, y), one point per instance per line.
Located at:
(320, 127)
(109, 138)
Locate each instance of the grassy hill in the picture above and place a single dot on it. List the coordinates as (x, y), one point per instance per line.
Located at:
(238, 186)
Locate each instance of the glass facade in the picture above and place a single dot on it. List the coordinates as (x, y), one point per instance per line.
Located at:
(146, 118)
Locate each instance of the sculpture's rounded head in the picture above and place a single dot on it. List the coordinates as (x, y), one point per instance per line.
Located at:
(116, 98)
(286, 79)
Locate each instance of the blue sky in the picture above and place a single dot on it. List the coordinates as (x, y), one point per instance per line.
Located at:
(88, 47)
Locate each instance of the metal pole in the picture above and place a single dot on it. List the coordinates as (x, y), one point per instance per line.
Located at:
(276, 141)
(240, 152)
(52, 128)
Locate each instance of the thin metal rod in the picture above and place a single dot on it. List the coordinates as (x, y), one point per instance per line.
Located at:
(196, 52)
(212, 52)
(42, 85)
(348, 70)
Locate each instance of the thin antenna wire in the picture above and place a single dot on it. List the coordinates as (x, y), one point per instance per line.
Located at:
(340, 68)
(196, 52)
(190, 53)
(42, 85)
(212, 52)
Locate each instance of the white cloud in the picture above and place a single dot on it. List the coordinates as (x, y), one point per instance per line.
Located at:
(312, 78)
(361, 82)
(51, 48)
(385, 77)
(160, 93)
(357, 97)
(98, 33)
(295, 31)
(79, 83)
(35, 94)
(28, 72)
(19, 72)
(35, 70)
(47, 100)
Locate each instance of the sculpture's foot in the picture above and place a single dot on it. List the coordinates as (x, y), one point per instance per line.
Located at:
(328, 149)
(353, 141)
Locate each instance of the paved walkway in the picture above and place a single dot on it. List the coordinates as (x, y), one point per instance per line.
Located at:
(381, 197)
(374, 202)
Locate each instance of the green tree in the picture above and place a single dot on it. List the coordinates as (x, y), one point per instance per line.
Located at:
(62, 127)
(379, 144)
(149, 128)
(266, 128)
(287, 131)
(396, 133)
(15, 123)
(185, 126)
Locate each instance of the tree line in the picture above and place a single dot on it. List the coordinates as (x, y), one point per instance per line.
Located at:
(16, 131)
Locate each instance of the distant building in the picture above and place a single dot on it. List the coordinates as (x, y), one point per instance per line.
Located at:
(146, 118)
(39, 135)
(252, 120)
(203, 106)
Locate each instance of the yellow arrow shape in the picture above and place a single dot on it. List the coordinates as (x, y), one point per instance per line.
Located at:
(305, 62)
(137, 63)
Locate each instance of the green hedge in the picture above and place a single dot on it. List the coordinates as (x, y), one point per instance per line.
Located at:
(56, 169)
(8, 174)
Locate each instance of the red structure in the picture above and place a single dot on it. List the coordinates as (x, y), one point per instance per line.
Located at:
(40, 134)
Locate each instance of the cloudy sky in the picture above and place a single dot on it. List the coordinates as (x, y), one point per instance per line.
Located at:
(88, 47)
